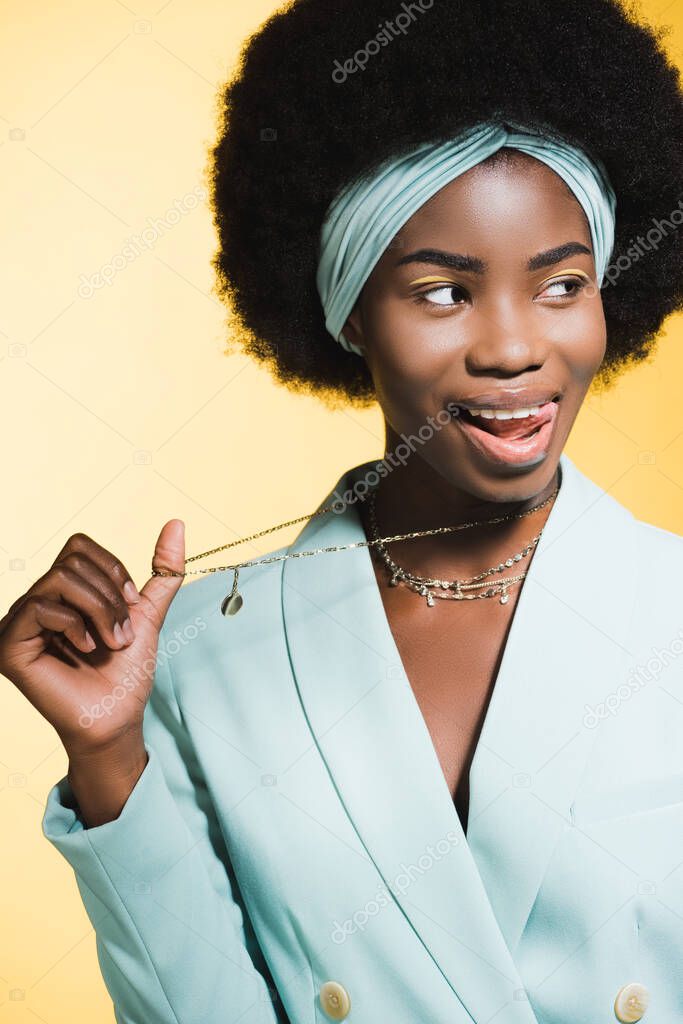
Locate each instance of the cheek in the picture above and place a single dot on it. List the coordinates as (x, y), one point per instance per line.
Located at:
(582, 339)
(409, 354)
(406, 372)
(403, 396)
(407, 377)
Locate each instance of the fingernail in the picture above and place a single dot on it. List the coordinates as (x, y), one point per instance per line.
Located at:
(118, 634)
(89, 641)
(128, 631)
(130, 592)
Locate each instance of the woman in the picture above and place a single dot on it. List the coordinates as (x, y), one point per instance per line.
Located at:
(351, 799)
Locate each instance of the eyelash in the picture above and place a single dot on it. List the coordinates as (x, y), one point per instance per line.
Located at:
(421, 297)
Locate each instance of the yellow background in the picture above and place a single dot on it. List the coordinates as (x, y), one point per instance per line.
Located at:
(120, 410)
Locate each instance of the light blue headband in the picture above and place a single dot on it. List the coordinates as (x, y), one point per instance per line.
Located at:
(364, 218)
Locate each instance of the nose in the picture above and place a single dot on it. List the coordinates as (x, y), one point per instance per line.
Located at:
(506, 346)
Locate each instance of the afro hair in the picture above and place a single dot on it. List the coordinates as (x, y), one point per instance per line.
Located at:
(326, 90)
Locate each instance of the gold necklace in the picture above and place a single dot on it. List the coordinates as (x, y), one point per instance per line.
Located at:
(429, 587)
(233, 601)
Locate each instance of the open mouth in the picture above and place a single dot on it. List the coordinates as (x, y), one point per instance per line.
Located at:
(516, 428)
(517, 437)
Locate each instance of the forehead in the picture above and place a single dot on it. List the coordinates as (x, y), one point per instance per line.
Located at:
(511, 200)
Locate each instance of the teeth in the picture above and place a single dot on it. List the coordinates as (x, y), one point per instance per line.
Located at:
(503, 414)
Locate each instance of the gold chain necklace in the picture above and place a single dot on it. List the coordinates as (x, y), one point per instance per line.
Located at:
(233, 601)
(430, 587)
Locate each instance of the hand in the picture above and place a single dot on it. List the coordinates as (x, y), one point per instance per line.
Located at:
(66, 646)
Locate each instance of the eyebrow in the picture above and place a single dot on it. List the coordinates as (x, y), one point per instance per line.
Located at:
(458, 261)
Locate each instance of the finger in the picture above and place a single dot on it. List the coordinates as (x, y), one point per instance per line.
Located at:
(84, 567)
(107, 562)
(169, 553)
(37, 615)
(62, 584)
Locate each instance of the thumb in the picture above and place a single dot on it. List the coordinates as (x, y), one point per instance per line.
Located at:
(169, 553)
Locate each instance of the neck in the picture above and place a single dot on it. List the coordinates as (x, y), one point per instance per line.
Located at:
(414, 496)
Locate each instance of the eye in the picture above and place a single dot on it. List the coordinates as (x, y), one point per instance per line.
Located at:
(442, 291)
(563, 288)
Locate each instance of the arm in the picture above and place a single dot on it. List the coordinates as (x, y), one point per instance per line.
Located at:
(157, 885)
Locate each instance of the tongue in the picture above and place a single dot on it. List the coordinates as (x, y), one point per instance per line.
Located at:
(512, 429)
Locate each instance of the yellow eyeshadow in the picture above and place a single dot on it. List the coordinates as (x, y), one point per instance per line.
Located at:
(563, 273)
(430, 280)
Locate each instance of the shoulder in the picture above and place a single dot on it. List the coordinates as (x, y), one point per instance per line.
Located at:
(211, 654)
(658, 549)
(651, 548)
(198, 602)
(658, 603)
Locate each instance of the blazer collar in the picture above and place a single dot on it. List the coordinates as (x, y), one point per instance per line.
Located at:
(467, 899)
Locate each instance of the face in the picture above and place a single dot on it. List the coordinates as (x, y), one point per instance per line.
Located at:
(486, 305)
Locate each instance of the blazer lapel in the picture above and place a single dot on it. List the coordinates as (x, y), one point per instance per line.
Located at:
(467, 899)
(567, 646)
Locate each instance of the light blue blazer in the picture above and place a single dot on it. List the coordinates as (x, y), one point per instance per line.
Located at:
(291, 851)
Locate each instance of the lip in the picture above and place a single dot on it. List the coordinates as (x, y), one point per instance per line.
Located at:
(506, 452)
(510, 398)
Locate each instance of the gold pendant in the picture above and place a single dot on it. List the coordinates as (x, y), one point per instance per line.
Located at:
(231, 604)
(233, 601)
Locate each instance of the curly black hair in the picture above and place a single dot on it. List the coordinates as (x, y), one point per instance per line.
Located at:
(326, 90)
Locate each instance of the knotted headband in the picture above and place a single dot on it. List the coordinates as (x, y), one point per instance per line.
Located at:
(362, 220)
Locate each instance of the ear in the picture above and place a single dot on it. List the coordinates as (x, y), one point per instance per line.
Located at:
(353, 330)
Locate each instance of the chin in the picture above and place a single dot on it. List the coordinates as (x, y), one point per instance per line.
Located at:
(503, 483)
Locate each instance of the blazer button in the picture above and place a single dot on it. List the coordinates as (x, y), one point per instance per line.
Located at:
(335, 1000)
(631, 1002)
